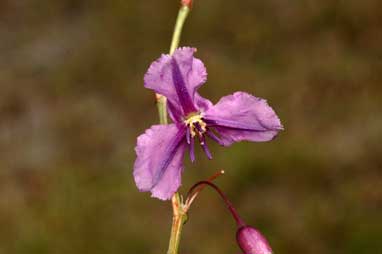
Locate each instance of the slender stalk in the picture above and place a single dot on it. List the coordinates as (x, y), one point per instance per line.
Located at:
(179, 215)
(195, 192)
(162, 111)
(178, 219)
(228, 203)
(182, 16)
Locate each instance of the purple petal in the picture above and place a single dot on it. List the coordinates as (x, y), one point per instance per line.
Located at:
(201, 103)
(176, 114)
(171, 178)
(241, 116)
(159, 160)
(191, 68)
(177, 77)
(184, 97)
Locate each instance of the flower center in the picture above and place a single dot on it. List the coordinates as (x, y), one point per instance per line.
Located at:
(195, 123)
(196, 126)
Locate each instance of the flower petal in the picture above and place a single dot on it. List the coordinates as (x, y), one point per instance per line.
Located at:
(201, 103)
(177, 77)
(241, 116)
(159, 160)
(176, 114)
(171, 178)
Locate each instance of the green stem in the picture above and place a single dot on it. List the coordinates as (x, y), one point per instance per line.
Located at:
(179, 215)
(178, 219)
(161, 105)
(182, 16)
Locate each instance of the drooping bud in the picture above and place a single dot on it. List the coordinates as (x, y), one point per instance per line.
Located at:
(187, 3)
(251, 241)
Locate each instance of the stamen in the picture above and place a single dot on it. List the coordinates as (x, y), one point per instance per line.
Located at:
(188, 134)
(196, 127)
(215, 138)
(191, 121)
(199, 128)
(207, 151)
(205, 147)
(192, 150)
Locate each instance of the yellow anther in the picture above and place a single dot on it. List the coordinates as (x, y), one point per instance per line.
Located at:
(193, 119)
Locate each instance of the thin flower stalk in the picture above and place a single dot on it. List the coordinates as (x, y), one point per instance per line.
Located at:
(231, 208)
(191, 197)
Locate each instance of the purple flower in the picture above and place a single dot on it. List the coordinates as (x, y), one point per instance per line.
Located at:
(160, 150)
(251, 241)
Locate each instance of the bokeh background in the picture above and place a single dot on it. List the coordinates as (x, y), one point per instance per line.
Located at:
(72, 103)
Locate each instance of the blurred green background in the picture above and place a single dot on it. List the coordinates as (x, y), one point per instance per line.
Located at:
(72, 103)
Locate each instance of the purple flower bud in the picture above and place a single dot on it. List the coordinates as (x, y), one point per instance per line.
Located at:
(252, 242)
